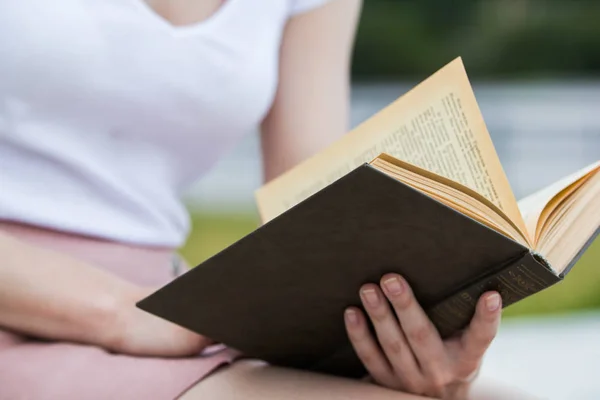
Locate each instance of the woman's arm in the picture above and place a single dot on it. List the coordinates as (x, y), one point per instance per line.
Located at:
(310, 109)
(50, 295)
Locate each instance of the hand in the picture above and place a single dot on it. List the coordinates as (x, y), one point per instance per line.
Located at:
(138, 333)
(410, 355)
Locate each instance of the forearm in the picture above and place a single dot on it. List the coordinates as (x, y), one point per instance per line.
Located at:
(51, 295)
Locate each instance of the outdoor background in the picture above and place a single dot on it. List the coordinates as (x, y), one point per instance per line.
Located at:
(535, 70)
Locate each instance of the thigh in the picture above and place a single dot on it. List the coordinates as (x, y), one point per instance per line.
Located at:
(31, 369)
(251, 380)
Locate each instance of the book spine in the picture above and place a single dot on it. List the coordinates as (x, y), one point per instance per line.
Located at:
(516, 281)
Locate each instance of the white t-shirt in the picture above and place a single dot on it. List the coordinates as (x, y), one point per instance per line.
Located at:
(108, 112)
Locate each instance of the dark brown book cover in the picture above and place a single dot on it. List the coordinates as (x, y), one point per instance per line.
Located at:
(279, 293)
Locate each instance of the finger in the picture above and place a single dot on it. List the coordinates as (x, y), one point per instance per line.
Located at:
(420, 332)
(482, 329)
(391, 338)
(366, 348)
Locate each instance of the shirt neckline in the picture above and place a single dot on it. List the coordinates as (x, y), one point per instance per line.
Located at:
(187, 29)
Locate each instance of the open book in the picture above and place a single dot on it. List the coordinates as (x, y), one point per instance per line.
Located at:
(418, 190)
(434, 139)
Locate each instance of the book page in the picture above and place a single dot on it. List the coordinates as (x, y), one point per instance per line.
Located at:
(436, 126)
(546, 199)
(574, 223)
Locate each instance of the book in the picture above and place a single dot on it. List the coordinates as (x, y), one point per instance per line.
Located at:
(417, 189)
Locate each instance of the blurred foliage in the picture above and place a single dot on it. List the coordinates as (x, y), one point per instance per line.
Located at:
(496, 38)
(212, 232)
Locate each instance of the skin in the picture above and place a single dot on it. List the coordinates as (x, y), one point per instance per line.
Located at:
(407, 353)
(88, 305)
(84, 304)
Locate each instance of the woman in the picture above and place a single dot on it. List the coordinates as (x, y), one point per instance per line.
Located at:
(108, 109)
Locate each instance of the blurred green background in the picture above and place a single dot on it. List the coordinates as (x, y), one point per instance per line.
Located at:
(501, 39)
(515, 41)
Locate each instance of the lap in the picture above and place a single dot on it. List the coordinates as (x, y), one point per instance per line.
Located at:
(40, 370)
(251, 380)
(54, 370)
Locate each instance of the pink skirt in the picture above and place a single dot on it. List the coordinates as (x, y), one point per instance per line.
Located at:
(42, 370)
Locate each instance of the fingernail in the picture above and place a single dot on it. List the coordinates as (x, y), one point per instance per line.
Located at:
(493, 302)
(351, 317)
(393, 285)
(371, 297)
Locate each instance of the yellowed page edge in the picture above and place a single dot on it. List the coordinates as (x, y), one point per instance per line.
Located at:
(441, 194)
(533, 205)
(456, 186)
(584, 217)
(444, 200)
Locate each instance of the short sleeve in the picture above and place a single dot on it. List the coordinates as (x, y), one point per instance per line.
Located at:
(301, 6)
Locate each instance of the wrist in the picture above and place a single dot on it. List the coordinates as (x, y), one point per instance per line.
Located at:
(111, 315)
